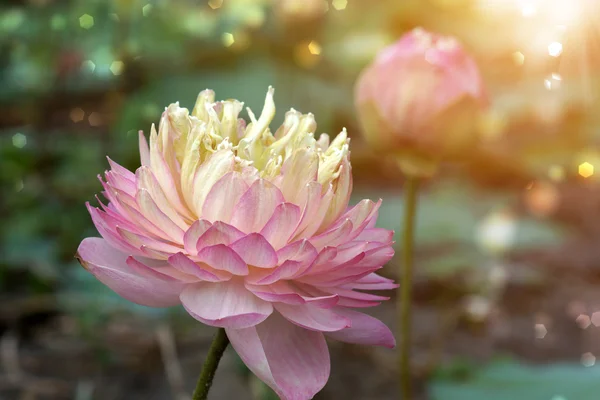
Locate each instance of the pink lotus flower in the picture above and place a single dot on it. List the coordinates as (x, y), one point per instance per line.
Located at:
(249, 231)
(422, 95)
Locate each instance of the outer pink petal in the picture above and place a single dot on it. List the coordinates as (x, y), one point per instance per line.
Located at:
(223, 258)
(350, 298)
(255, 250)
(223, 197)
(286, 270)
(124, 172)
(144, 149)
(106, 227)
(256, 206)
(372, 282)
(376, 235)
(293, 361)
(151, 211)
(227, 304)
(138, 241)
(364, 330)
(311, 210)
(110, 267)
(333, 236)
(187, 266)
(284, 292)
(312, 317)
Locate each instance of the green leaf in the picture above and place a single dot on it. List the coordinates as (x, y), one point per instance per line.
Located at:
(510, 380)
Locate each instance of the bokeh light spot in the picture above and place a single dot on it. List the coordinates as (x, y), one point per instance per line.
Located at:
(540, 331)
(95, 119)
(497, 232)
(596, 319)
(583, 321)
(19, 140)
(528, 10)
(586, 169)
(58, 22)
(19, 185)
(77, 115)
(227, 39)
(542, 199)
(303, 55)
(11, 20)
(147, 9)
(117, 67)
(556, 173)
(86, 21)
(214, 4)
(555, 49)
(518, 58)
(588, 359)
(314, 48)
(88, 66)
(339, 4)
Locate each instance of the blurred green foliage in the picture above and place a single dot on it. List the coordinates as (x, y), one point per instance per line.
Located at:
(511, 380)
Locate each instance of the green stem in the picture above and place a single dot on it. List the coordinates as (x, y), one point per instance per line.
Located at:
(217, 348)
(404, 300)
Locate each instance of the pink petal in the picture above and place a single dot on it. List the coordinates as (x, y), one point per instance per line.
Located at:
(223, 197)
(286, 270)
(282, 224)
(256, 206)
(124, 172)
(144, 149)
(138, 241)
(119, 182)
(360, 216)
(350, 298)
(190, 239)
(324, 258)
(219, 233)
(128, 208)
(284, 292)
(322, 277)
(373, 282)
(312, 317)
(302, 251)
(376, 235)
(378, 256)
(372, 220)
(223, 258)
(364, 330)
(146, 180)
(140, 268)
(313, 211)
(226, 304)
(106, 227)
(163, 174)
(333, 236)
(151, 211)
(186, 265)
(256, 251)
(277, 292)
(110, 267)
(293, 361)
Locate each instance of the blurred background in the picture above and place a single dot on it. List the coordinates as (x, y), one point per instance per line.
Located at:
(507, 304)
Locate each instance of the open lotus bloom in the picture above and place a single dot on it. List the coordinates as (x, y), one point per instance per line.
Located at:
(249, 231)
